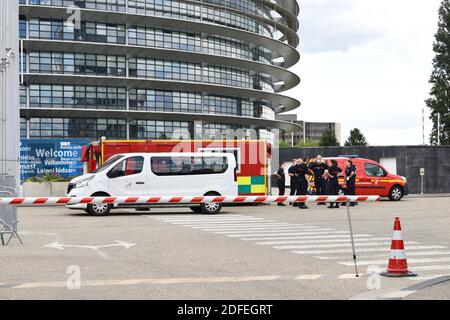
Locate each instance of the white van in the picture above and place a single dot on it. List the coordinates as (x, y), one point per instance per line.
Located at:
(158, 174)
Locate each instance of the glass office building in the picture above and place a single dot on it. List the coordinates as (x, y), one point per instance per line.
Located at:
(140, 69)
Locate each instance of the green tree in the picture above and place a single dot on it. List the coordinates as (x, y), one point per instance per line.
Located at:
(439, 101)
(356, 138)
(328, 139)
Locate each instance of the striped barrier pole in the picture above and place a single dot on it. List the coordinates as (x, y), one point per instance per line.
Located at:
(61, 201)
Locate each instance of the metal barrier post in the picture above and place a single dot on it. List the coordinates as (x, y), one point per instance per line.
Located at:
(347, 205)
(8, 214)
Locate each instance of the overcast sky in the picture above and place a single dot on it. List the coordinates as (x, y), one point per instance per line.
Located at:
(366, 64)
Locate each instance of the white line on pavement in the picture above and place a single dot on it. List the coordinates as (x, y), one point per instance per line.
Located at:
(210, 219)
(231, 224)
(130, 282)
(278, 233)
(249, 226)
(427, 268)
(408, 254)
(335, 245)
(306, 237)
(381, 249)
(224, 222)
(410, 261)
(321, 241)
(262, 229)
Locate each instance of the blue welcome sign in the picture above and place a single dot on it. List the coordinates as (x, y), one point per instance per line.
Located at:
(39, 157)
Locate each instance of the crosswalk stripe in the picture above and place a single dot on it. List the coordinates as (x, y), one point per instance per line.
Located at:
(243, 226)
(410, 261)
(217, 220)
(208, 218)
(231, 224)
(347, 239)
(349, 250)
(278, 233)
(408, 254)
(347, 236)
(334, 245)
(265, 229)
(432, 268)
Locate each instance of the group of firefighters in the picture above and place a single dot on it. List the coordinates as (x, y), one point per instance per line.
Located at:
(326, 180)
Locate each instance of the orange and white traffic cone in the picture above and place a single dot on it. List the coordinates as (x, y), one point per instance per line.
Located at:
(398, 266)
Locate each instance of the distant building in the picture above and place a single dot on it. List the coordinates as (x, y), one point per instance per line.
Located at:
(144, 69)
(311, 130)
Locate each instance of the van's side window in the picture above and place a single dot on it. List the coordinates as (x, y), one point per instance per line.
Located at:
(177, 166)
(373, 170)
(127, 167)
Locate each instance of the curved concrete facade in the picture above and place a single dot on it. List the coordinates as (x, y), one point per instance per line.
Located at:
(201, 64)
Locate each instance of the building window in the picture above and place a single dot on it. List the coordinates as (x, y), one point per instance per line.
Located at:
(78, 97)
(165, 101)
(77, 63)
(23, 128)
(78, 128)
(151, 129)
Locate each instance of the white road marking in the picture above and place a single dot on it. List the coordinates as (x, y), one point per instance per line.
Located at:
(249, 226)
(408, 254)
(428, 268)
(350, 276)
(309, 277)
(60, 246)
(410, 261)
(277, 233)
(335, 245)
(261, 229)
(222, 222)
(168, 281)
(306, 237)
(37, 233)
(347, 239)
(381, 249)
(211, 219)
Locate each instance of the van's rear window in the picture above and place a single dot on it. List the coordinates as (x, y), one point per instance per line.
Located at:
(178, 166)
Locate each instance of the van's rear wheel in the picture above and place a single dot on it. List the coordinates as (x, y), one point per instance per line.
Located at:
(211, 207)
(196, 209)
(396, 193)
(99, 209)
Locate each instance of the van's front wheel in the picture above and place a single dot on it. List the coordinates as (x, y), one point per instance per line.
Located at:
(396, 193)
(99, 209)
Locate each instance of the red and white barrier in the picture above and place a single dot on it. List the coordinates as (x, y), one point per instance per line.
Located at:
(61, 201)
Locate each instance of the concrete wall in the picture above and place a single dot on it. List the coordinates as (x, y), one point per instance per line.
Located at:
(44, 189)
(435, 160)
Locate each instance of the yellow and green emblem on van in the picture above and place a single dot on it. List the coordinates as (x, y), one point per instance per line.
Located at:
(249, 185)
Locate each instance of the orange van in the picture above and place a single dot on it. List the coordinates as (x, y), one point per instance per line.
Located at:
(373, 179)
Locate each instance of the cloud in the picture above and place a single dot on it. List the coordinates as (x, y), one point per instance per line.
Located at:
(373, 73)
(333, 25)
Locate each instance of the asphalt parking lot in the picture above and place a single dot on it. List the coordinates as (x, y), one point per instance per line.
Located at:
(257, 252)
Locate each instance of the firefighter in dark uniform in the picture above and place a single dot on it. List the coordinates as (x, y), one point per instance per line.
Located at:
(281, 183)
(302, 171)
(350, 177)
(333, 182)
(319, 169)
(292, 171)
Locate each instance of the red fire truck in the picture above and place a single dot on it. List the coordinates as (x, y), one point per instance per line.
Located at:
(252, 156)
